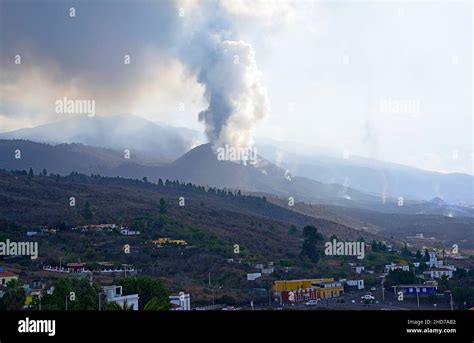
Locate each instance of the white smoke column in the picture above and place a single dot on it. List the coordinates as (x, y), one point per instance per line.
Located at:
(237, 99)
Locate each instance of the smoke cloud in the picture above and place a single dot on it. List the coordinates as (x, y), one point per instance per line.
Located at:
(226, 67)
(83, 55)
(237, 98)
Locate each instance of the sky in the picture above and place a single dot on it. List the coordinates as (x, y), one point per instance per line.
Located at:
(387, 80)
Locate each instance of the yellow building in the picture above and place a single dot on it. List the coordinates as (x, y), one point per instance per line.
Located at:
(294, 285)
(325, 287)
(329, 289)
(164, 241)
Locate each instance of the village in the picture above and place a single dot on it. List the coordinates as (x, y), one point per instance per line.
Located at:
(418, 281)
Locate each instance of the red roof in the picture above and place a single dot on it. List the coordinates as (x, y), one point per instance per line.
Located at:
(7, 274)
(75, 265)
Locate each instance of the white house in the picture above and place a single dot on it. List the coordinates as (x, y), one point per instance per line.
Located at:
(356, 283)
(253, 276)
(6, 276)
(181, 302)
(433, 262)
(438, 273)
(114, 294)
(128, 232)
(393, 266)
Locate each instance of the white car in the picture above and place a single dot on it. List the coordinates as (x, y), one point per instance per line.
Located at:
(311, 303)
(367, 297)
(373, 289)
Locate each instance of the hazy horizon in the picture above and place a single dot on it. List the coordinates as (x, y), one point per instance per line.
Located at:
(397, 89)
(303, 149)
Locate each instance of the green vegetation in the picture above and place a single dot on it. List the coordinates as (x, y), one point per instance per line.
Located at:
(378, 260)
(378, 246)
(153, 295)
(401, 277)
(312, 244)
(293, 230)
(113, 306)
(86, 296)
(87, 212)
(162, 206)
(157, 304)
(14, 297)
(464, 297)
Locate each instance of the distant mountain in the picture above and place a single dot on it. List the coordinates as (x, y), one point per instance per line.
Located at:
(373, 176)
(63, 158)
(201, 166)
(152, 144)
(57, 159)
(159, 142)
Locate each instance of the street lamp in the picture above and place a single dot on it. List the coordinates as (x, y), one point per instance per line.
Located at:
(451, 300)
(100, 300)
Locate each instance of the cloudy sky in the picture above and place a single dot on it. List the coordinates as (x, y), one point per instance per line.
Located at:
(388, 80)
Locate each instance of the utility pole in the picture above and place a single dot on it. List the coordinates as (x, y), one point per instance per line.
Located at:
(383, 290)
(269, 295)
(66, 301)
(417, 297)
(100, 301)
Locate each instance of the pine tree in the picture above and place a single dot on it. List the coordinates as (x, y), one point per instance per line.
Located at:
(162, 206)
(87, 212)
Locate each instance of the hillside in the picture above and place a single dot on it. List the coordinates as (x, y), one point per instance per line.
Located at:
(45, 201)
(450, 230)
(199, 166)
(211, 221)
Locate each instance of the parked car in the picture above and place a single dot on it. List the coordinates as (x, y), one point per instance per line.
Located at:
(311, 303)
(367, 297)
(373, 289)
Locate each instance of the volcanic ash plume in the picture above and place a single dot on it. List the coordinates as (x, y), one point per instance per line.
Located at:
(237, 99)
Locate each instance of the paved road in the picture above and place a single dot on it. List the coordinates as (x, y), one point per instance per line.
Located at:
(390, 302)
